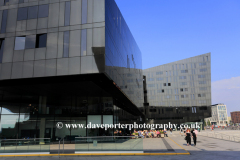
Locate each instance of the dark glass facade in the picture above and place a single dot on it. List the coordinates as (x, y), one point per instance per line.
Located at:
(65, 64)
(123, 57)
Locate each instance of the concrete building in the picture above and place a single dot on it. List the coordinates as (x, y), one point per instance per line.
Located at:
(219, 115)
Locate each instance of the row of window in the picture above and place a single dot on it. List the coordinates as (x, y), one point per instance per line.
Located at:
(42, 11)
(31, 41)
(33, 12)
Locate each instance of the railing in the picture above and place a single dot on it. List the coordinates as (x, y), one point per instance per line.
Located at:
(62, 139)
(109, 143)
(24, 145)
(220, 136)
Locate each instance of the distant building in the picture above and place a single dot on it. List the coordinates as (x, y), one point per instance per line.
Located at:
(178, 91)
(235, 117)
(229, 120)
(219, 115)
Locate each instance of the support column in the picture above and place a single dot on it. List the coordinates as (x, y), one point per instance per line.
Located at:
(42, 109)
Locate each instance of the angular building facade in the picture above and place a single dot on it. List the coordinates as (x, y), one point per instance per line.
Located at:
(179, 91)
(76, 62)
(64, 61)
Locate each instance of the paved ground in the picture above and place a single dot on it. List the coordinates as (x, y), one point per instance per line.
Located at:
(206, 149)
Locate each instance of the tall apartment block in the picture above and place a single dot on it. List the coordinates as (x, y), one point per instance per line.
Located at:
(179, 91)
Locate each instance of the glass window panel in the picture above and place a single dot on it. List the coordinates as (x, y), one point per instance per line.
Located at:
(32, 12)
(41, 41)
(84, 11)
(67, 13)
(6, 2)
(22, 13)
(4, 21)
(21, 1)
(1, 49)
(30, 42)
(9, 126)
(66, 44)
(84, 42)
(43, 11)
(20, 43)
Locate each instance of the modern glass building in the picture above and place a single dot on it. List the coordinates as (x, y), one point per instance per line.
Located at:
(64, 61)
(76, 62)
(179, 91)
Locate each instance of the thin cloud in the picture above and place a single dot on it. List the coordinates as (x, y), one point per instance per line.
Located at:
(227, 91)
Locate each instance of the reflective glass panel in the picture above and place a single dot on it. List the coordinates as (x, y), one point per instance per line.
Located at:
(20, 43)
(84, 11)
(30, 41)
(84, 42)
(22, 13)
(66, 44)
(32, 12)
(67, 13)
(4, 21)
(1, 49)
(43, 11)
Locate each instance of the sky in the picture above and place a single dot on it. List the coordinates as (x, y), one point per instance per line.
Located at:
(171, 30)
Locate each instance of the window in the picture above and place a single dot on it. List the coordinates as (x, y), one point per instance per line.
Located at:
(84, 11)
(66, 44)
(183, 77)
(169, 84)
(43, 11)
(6, 2)
(32, 12)
(159, 73)
(84, 42)
(203, 70)
(201, 76)
(1, 49)
(159, 79)
(202, 82)
(202, 64)
(30, 42)
(181, 89)
(184, 71)
(184, 83)
(162, 90)
(22, 13)
(67, 13)
(20, 43)
(21, 1)
(164, 84)
(4, 21)
(41, 40)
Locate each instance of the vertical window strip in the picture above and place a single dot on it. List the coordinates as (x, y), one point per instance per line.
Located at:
(84, 42)
(1, 49)
(67, 13)
(66, 44)
(84, 11)
(4, 21)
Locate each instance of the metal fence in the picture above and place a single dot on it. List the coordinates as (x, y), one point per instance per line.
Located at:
(24, 145)
(109, 143)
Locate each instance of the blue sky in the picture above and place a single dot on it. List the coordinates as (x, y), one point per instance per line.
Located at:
(171, 30)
